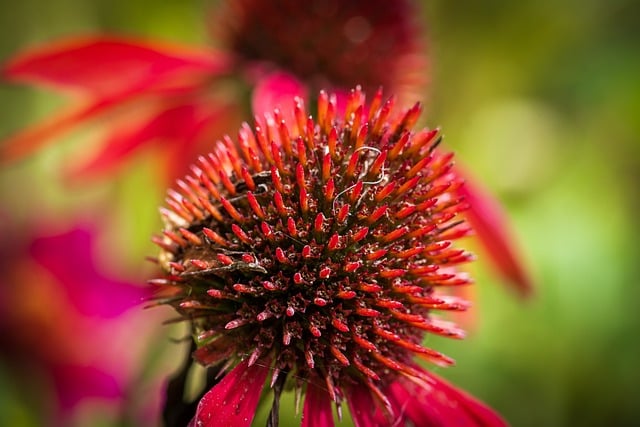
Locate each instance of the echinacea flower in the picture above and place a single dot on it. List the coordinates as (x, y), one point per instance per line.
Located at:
(178, 99)
(63, 318)
(316, 255)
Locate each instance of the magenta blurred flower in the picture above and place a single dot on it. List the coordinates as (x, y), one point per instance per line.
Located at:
(315, 255)
(64, 318)
(69, 258)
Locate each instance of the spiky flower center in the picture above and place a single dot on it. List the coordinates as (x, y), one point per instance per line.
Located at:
(319, 246)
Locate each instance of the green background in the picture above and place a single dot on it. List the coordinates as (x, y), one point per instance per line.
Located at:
(541, 101)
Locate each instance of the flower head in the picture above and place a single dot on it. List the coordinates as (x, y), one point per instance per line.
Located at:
(318, 253)
(333, 43)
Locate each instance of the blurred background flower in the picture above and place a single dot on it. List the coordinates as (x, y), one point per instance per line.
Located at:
(179, 98)
(540, 100)
(73, 336)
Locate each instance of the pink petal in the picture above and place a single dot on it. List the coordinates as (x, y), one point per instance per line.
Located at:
(439, 404)
(104, 66)
(277, 90)
(492, 228)
(69, 258)
(317, 408)
(75, 383)
(233, 401)
(362, 407)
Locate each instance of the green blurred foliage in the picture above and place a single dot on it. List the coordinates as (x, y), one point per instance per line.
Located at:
(540, 99)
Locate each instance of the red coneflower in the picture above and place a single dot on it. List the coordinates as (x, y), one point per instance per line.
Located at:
(177, 99)
(316, 254)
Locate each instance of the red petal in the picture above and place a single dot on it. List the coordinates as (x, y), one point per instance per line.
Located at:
(112, 70)
(69, 257)
(75, 383)
(182, 131)
(362, 407)
(233, 401)
(175, 125)
(483, 415)
(31, 139)
(277, 90)
(492, 228)
(439, 404)
(104, 66)
(317, 408)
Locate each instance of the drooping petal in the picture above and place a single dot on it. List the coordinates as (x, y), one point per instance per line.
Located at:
(110, 72)
(276, 90)
(175, 124)
(362, 407)
(103, 66)
(182, 130)
(492, 228)
(439, 404)
(233, 401)
(69, 257)
(29, 140)
(317, 408)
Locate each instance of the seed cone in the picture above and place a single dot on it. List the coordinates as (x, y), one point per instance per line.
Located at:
(320, 247)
